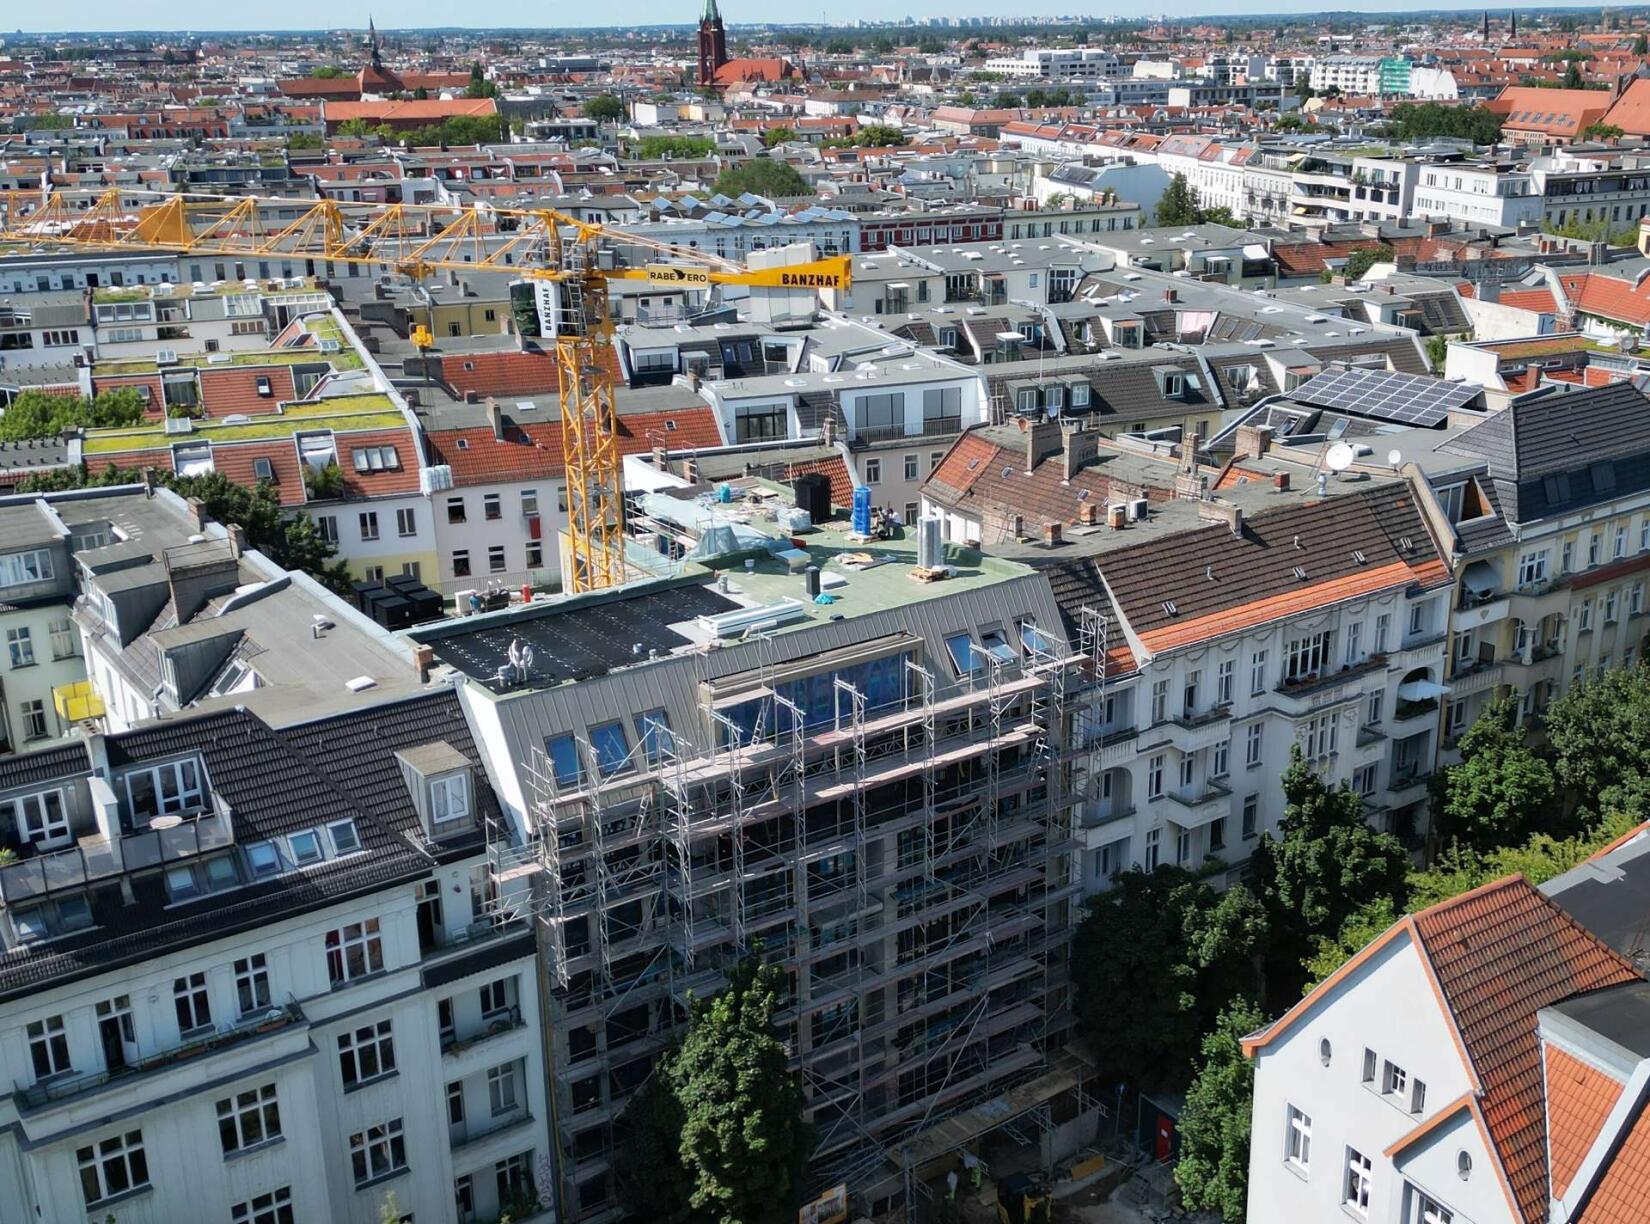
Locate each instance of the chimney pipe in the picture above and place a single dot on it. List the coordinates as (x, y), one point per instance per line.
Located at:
(1281, 480)
(1051, 534)
(495, 418)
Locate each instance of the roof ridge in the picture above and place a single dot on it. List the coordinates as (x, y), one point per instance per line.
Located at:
(1483, 889)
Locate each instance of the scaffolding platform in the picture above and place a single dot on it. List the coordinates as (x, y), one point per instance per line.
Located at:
(959, 1130)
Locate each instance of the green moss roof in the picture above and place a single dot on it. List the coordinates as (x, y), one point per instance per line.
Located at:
(343, 414)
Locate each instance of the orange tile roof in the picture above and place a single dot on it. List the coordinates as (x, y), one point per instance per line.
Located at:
(531, 372)
(402, 479)
(1579, 1098)
(235, 389)
(1500, 953)
(1631, 113)
(426, 110)
(1539, 300)
(235, 463)
(842, 481)
(534, 452)
(966, 462)
(1609, 297)
(1624, 1189)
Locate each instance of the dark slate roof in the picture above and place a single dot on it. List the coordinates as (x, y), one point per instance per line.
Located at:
(275, 782)
(1129, 390)
(1556, 451)
(1399, 350)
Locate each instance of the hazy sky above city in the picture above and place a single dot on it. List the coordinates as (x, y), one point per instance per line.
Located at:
(408, 14)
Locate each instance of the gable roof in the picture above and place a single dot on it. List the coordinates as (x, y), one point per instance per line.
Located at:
(1501, 953)
(1579, 1099)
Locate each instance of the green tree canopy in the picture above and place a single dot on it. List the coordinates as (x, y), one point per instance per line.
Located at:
(1501, 790)
(1421, 120)
(1213, 1170)
(1327, 863)
(1178, 204)
(778, 136)
(660, 146)
(480, 86)
(1599, 736)
(329, 72)
(744, 1143)
(604, 109)
(761, 176)
(1179, 952)
(37, 414)
(1359, 263)
(653, 1182)
(1572, 77)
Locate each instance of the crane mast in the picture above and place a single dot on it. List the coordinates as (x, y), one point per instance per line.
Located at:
(416, 240)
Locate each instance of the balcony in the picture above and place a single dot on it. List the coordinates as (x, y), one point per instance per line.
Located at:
(1201, 804)
(496, 1025)
(1532, 602)
(467, 1132)
(1195, 732)
(1407, 711)
(226, 1037)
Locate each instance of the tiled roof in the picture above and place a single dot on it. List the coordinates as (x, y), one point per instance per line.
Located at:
(534, 452)
(842, 481)
(1501, 953)
(235, 463)
(532, 372)
(403, 478)
(1539, 300)
(1624, 1190)
(1579, 1098)
(1609, 297)
(235, 389)
(1631, 113)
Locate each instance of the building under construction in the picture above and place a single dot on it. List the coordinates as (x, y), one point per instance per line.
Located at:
(857, 766)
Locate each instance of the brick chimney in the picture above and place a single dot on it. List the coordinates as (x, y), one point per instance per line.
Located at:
(1043, 439)
(423, 660)
(1222, 512)
(1051, 534)
(495, 418)
(1252, 441)
(237, 539)
(1088, 514)
(1281, 482)
(197, 514)
(1080, 448)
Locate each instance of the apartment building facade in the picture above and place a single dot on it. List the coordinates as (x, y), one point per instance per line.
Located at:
(243, 986)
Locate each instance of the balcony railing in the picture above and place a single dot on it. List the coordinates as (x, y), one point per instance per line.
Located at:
(467, 1132)
(495, 1025)
(228, 1036)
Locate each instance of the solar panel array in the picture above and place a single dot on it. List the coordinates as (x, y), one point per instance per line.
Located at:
(583, 642)
(1384, 395)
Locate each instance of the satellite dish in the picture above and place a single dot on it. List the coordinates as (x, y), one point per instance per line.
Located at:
(1394, 457)
(1340, 457)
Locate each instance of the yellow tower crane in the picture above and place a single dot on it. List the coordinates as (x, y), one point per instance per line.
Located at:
(578, 259)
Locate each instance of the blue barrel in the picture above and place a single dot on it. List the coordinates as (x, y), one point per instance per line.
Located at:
(862, 511)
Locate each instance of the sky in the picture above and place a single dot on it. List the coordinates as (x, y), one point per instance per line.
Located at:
(90, 15)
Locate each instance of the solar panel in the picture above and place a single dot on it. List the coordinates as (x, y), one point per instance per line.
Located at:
(1385, 395)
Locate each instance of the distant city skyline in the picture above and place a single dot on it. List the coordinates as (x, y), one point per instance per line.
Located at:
(185, 15)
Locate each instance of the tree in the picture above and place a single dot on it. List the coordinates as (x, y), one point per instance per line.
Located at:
(763, 177)
(1641, 45)
(37, 414)
(1359, 263)
(744, 1143)
(653, 148)
(654, 1183)
(604, 109)
(329, 72)
(1178, 204)
(1501, 789)
(1437, 352)
(1006, 101)
(1328, 863)
(1602, 131)
(1179, 951)
(1572, 77)
(1596, 732)
(1213, 1170)
(1423, 120)
(778, 136)
(480, 86)
(421, 94)
(304, 140)
(878, 136)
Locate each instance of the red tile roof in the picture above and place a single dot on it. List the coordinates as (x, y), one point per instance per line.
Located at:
(403, 478)
(1500, 953)
(1539, 300)
(505, 373)
(235, 389)
(235, 462)
(1625, 1187)
(534, 452)
(842, 481)
(1608, 297)
(1579, 1098)
(1631, 113)
(157, 395)
(1551, 112)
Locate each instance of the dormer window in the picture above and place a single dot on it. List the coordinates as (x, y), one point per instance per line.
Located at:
(1174, 385)
(305, 847)
(262, 859)
(345, 840)
(160, 790)
(450, 798)
(40, 820)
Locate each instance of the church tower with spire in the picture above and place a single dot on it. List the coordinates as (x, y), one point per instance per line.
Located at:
(713, 43)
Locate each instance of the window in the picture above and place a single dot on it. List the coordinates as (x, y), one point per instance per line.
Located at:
(24, 568)
(495, 559)
(326, 526)
(377, 1152)
(455, 510)
(612, 751)
(1428, 1210)
(514, 1177)
(1152, 840)
(1363, 780)
(1297, 1149)
(272, 1208)
(40, 819)
(376, 459)
(1567, 557)
(1160, 700)
(1251, 815)
(1584, 616)
(910, 467)
(961, 649)
(501, 1089)
(1373, 714)
(406, 521)
(1154, 777)
(873, 471)
(1619, 548)
(354, 951)
(1635, 600)
(492, 506)
(935, 458)
(449, 798)
(190, 1000)
(1223, 681)
(653, 730)
(1417, 1096)
(461, 563)
(1532, 567)
(112, 1167)
(345, 840)
(369, 524)
(564, 760)
(761, 422)
(249, 1118)
(1595, 547)
(366, 1053)
(1254, 739)
(529, 502)
(1383, 626)
(1217, 833)
(252, 984)
(20, 645)
(262, 859)
(49, 1047)
(1257, 673)
(1355, 1195)
(1354, 635)
(1319, 736)
(305, 847)
(1394, 1080)
(1183, 847)
(173, 787)
(1218, 765)
(1305, 657)
(535, 554)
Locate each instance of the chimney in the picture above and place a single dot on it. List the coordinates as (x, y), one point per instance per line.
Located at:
(1043, 439)
(495, 418)
(472, 396)
(423, 660)
(1088, 514)
(197, 514)
(1487, 291)
(148, 482)
(1171, 295)
(1222, 512)
(1080, 450)
(690, 470)
(196, 575)
(1051, 534)
(1017, 526)
(1281, 481)
(237, 539)
(1117, 514)
(1252, 441)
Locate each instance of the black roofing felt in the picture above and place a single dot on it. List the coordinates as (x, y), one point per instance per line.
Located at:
(578, 643)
